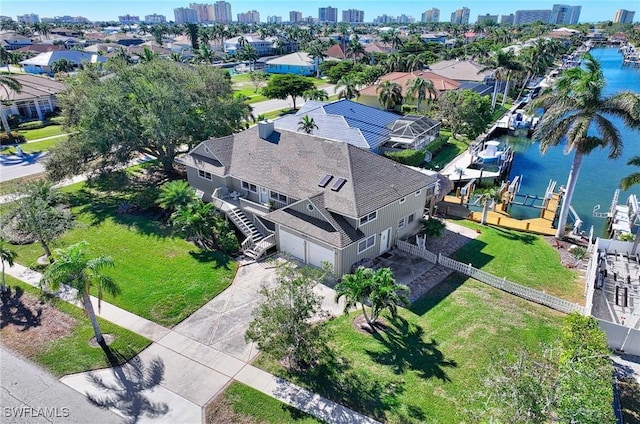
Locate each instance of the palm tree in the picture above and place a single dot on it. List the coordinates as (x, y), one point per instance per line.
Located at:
(148, 55)
(348, 87)
(192, 34)
(316, 94)
(316, 51)
(355, 289)
(489, 196)
(6, 255)
(7, 83)
(175, 194)
(355, 48)
(196, 220)
(418, 88)
(74, 269)
(307, 124)
(573, 106)
(386, 293)
(631, 179)
(389, 94)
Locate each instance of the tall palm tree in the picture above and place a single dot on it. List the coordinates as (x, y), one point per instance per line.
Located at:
(355, 289)
(573, 106)
(316, 51)
(7, 83)
(489, 196)
(389, 94)
(355, 48)
(316, 94)
(192, 34)
(348, 87)
(631, 179)
(6, 255)
(74, 269)
(307, 124)
(419, 88)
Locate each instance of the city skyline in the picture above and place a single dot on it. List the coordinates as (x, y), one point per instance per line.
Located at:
(592, 10)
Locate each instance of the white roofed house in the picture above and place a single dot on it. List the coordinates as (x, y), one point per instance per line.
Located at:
(35, 99)
(299, 63)
(318, 200)
(42, 63)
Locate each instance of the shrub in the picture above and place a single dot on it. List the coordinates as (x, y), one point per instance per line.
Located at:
(32, 125)
(407, 157)
(13, 120)
(14, 138)
(57, 120)
(409, 108)
(437, 144)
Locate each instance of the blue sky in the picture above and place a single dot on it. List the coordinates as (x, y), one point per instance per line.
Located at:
(592, 10)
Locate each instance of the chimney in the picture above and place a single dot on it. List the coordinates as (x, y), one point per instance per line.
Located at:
(265, 128)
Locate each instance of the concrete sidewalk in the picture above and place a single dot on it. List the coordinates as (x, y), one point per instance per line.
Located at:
(174, 378)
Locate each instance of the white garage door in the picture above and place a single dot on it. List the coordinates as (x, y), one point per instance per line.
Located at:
(292, 244)
(317, 254)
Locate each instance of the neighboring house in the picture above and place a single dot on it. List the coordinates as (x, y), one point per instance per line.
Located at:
(41, 64)
(438, 37)
(67, 32)
(364, 126)
(299, 63)
(36, 98)
(369, 95)
(461, 70)
(12, 41)
(264, 47)
(335, 52)
(315, 199)
(478, 87)
(35, 49)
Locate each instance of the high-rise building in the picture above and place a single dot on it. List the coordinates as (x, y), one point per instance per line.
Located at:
(404, 19)
(222, 12)
(487, 18)
(251, 17)
(185, 15)
(204, 12)
(154, 18)
(431, 15)
(129, 19)
(66, 19)
(295, 16)
(564, 14)
(29, 18)
(384, 19)
(507, 19)
(328, 14)
(353, 16)
(460, 16)
(623, 16)
(531, 16)
(274, 19)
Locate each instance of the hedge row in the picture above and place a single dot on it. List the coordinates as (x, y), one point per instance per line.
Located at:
(407, 157)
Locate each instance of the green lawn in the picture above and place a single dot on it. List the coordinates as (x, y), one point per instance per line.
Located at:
(428, 363)
(449, 151)
(242, 85)
(48, 131)
(522, 258)
(162, 277)
(72, 353)
(243, 402)
(36, 146)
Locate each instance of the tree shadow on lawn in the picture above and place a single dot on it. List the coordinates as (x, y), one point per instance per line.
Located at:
(14, 312)
(216, 258)
(525, 238)
(437, 294)
(472, 253)
(405, 350)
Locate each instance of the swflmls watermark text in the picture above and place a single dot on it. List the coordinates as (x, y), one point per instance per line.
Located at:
(30, 412)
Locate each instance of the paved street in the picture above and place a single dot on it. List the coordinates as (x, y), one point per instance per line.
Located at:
(31, 395)
(13, 166)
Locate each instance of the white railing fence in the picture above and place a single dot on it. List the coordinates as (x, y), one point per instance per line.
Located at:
(491, 280)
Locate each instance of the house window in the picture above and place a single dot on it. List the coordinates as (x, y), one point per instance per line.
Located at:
(410, 218)
(418, 192)
(368, 218)
(401, 201)
(248, 186)
(204, 174)
(367, 243)
(274, 195)
(401, 223)
(310, 207)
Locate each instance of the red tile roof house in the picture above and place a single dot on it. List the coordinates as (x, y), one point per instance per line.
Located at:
(317, 200)
(369, 95)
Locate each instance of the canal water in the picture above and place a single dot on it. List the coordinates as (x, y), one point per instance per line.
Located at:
(599, 175)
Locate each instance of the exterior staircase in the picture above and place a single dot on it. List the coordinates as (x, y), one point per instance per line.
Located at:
(256, 244)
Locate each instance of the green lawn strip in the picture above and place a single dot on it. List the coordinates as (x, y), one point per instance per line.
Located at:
(36, 146)
(162, 277)
(449, 151)
(247, 402)
(278, 113)
(427, 364)
(48, 131)
(242, 86)
(522, 258)
(72, 354)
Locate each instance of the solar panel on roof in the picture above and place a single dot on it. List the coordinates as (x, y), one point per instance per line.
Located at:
(338, 184)
(325, 180)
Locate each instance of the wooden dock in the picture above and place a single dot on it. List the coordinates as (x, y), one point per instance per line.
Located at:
(541, 225)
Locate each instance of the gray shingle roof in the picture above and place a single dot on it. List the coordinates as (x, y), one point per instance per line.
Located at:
(293, 164)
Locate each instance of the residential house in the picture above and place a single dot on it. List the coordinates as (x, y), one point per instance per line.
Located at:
(369, 95)
(318, 200)
(363, 126)
(35, 49)
(35, 99)
(13, 41)
(299, 63)
(267, 46)
(462, 70)
(41, 64)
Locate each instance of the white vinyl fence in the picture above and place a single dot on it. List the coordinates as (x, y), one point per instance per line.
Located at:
(499, 283)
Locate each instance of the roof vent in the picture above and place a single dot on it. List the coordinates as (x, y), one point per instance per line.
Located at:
(338, 184)
(325, 180)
